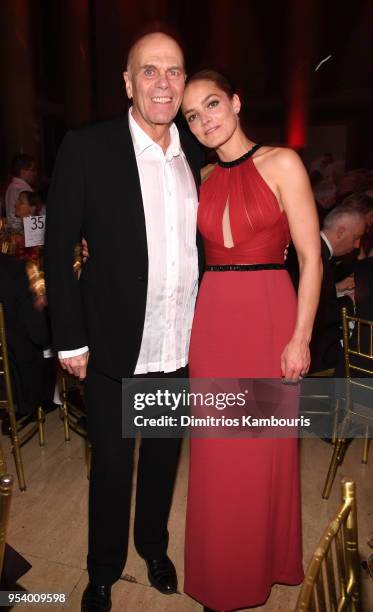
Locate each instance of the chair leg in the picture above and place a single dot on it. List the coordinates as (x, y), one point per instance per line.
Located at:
(64, 413)
(364, 458)
(16, 449)
(338, 454)
(41, 421)
(335, 422)
(6, 485)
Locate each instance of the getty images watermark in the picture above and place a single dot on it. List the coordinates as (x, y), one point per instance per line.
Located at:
(179, 401)
(167, 407)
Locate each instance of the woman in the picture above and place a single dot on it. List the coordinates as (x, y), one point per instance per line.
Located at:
(243, 518)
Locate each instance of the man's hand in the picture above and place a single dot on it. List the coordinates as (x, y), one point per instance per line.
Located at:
(347, 284)
(77, 366)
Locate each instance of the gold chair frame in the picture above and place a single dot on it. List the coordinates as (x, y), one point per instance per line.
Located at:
(6, 487)
(70, 414)
(352, 414)
(331, 583)
(329, 373)
(17, 441)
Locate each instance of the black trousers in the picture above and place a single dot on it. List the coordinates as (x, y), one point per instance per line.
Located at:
(111, 483)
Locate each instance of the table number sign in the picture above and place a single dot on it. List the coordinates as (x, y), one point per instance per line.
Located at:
(34, 228)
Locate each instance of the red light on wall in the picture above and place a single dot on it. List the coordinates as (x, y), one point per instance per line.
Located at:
(298, 110)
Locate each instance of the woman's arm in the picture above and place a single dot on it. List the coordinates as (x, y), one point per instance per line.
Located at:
(297, 200)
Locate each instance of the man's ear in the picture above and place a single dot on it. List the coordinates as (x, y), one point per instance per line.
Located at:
(128, 83)
(340, 231)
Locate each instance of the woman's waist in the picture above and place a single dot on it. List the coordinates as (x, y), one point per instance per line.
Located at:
(219, 255)
(228, 257)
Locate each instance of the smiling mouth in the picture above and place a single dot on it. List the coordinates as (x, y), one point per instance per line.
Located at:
(161, 100)
(211, 130)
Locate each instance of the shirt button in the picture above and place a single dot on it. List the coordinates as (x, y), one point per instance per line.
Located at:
(140, 277)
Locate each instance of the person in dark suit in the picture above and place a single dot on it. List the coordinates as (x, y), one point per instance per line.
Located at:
(341, 233)
(27, 335)
(129, 187)
(363, 275)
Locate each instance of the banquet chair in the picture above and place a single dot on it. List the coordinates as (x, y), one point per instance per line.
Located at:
(356, 413)
(331, 582)
(325, 403)
(6, 486)
(17, 424)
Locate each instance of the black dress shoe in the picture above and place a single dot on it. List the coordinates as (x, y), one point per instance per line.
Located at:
(96, 598)
(162, 575)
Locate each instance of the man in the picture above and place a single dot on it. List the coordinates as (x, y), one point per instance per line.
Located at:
(127, 187)
(24, 175)
(341, 233)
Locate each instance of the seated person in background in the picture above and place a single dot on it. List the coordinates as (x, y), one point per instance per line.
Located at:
(33, 377)
(364, 203)
(364, 287)
(28, 203)
(341, 233)
(25, 205)
(24, 175)
(363, 309)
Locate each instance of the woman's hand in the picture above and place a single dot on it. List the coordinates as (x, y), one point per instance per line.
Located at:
(85, 251)
(295, 360)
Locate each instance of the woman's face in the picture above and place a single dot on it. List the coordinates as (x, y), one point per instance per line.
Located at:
(210, 113)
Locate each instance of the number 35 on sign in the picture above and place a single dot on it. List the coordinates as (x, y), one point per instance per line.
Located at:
(34, 228)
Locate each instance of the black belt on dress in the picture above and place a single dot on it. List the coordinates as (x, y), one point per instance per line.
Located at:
(245, 267)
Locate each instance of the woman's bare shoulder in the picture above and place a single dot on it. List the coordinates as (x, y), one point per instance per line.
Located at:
(276, 154)
(280, 163)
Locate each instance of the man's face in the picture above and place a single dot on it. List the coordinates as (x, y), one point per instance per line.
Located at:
(155, 81)
(348, 236)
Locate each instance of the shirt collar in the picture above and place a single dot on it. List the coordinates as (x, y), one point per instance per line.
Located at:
(142, 141)
(328, 244)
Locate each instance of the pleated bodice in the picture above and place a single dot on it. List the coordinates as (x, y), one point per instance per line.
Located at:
(259, 229)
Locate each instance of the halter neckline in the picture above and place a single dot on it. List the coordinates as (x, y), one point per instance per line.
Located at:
(240, 160)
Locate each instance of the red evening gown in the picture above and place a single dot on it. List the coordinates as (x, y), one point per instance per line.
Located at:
(243, 529)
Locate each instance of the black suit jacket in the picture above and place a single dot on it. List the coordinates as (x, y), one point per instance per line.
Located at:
(364, 310)
(364, 288)
(95, 192)
(27, 333)
(325, 343)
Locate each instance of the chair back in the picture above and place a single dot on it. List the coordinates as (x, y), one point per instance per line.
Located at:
(332, 578)
(359, 345)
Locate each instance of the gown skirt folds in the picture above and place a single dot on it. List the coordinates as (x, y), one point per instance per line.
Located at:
(243, 531)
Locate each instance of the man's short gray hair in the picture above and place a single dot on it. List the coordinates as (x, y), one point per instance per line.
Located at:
(341, 213)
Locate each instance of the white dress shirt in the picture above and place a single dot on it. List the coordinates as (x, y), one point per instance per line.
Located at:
(170, 206)
(16, 186)
(328, 244)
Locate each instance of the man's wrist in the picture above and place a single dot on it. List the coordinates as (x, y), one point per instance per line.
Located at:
(73, 352)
